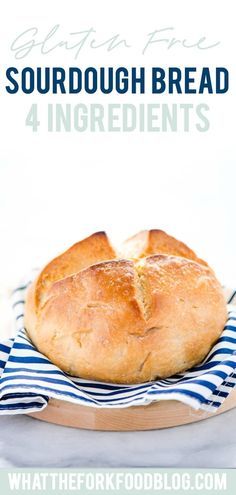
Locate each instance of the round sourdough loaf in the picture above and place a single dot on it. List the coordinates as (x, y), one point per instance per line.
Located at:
(152, 310)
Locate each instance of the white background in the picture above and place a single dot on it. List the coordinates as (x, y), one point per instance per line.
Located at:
(57, 188)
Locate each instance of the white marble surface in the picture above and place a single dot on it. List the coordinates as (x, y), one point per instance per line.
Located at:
(26, 442)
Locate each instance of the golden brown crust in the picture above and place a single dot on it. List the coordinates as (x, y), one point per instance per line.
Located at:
(127, 321)
(91, 250)
(155, 241)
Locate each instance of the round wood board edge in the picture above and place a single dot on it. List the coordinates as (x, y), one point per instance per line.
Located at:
(163, 414)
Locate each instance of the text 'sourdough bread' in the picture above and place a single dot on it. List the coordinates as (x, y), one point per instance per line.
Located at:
(152, 311)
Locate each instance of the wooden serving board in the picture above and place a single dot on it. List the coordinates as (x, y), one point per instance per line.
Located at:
(163, 414)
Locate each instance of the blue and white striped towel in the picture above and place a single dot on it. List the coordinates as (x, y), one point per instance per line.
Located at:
(28, 379)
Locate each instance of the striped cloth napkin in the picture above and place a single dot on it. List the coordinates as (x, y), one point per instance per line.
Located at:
(28, 379)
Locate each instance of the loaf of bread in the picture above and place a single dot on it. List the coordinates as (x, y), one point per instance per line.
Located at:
(147, 311)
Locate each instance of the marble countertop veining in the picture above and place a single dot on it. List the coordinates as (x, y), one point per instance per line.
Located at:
(27, 442)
